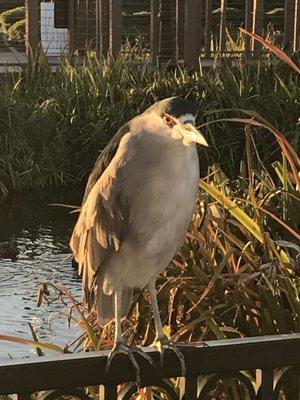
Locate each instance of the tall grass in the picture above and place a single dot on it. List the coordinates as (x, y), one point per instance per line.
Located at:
(53, 125)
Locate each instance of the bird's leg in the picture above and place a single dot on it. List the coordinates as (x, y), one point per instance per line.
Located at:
(161, 341)
(120, 347)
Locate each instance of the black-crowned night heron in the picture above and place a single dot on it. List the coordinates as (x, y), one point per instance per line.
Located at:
(137, 205)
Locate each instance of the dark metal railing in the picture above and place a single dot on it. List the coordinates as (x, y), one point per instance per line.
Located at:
(274, 357)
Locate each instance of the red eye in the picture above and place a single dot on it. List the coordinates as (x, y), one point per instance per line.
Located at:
(168, 120)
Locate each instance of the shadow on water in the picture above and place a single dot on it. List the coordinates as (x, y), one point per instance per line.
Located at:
(41, 234)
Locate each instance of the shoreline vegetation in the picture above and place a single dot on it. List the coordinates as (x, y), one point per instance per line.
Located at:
(238, 272)
(55, 124)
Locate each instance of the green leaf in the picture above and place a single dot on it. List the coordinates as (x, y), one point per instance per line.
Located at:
(234, 210)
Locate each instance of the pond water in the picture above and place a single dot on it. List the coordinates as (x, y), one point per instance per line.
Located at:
(41, 233)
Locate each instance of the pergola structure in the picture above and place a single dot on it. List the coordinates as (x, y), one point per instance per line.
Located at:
(178, 28)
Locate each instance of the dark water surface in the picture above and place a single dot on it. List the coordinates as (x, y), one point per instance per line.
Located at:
(41, 234)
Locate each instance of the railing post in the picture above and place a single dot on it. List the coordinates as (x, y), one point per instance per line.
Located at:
(180, 15)
(115, 27)
(248, 20)
(297, 26)
(108, 392)
(222, 41)
(188, 388)
(154, 31)
(32, 28)
(103, 24)
(200, 13)
(289, 12)
(208, 17)
(267, 384)
(71, 25)
(167, 30)
(190, 34)
(257, 25)
(24, 396)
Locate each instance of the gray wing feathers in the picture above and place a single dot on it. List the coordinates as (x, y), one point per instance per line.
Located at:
(100, 226)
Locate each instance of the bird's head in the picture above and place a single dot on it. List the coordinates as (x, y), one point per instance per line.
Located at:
(179, 115)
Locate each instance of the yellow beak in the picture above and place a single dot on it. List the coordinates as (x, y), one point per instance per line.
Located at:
(192, 134)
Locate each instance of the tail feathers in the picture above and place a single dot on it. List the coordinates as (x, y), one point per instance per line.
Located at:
(106, 306)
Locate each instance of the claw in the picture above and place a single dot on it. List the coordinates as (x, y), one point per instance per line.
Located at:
(164, 343)
(144, 355)
(122, 348)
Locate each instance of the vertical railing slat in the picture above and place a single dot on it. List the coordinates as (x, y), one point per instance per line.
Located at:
(222, 40)
(257, 25)
(248, 21)
(188, 387)
(296, 46)
(190, 34)
(289, 12)
(24, 396)
(115, 27)
(208, 17)
(267, 383)
(108, 392)
(199, 17)
(32, 25)
(154, 31)
(167, 30)
(104, 26)
(180, 15)
(71, 25)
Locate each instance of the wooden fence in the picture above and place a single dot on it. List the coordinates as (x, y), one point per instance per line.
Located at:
(178, 29)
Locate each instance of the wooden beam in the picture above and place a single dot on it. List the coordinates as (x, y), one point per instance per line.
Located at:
(115, 27)
(257, 25)
(32, 25)
(154, 31)
(289, 13)
(248, 21)
(190, 34)
(167, 30)
(180, 15)
(104, 26)
(296, 46)
(71, 25)
(208, 17)
(61, 13)
(199, 16)
(222, 40)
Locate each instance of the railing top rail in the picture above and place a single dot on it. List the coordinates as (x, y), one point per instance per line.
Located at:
(84, 369)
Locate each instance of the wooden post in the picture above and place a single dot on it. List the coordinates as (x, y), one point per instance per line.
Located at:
(222, 41)
(296, 46)
(248, 20)
(103, 24)
(208, 16)
(61, 14)
(71, 25)
(32, 25)
(257, 26)
(167, 30)
(154, 31)
(115, 27)
(200, 39)
(289, 12)
(180, 15)
(190, 34)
